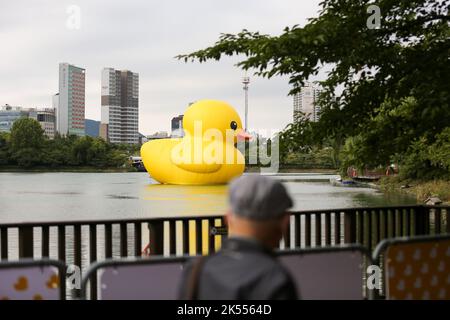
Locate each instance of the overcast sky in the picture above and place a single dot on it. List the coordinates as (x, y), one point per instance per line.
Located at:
(144, 36)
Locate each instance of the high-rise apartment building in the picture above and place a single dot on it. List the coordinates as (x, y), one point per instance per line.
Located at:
(305, 102)
(120, 106)
(71, 100)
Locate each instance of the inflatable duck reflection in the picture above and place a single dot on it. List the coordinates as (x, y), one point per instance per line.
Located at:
(206, 154)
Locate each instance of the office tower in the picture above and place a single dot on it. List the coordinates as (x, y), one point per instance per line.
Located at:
(46, 118)
(120, 106)
(177, 127)
(71, 101)
(305, 102)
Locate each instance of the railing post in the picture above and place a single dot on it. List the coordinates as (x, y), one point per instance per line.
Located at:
(77, 255)
(349, 227)
(318, 230)
(211, 237)
(172, 237)
(185, 237)
(307, 230)
(327, 229)
(199, 236)
(4, 243)
(447, 219)
(287, 236)
(123, 240)
(62, 243)
(26, 242)
(156, 229)
(137, 239)
(437, 220)
(108, 241)
(421, 219)
(92, 259)
(45, 245)
(337, 228)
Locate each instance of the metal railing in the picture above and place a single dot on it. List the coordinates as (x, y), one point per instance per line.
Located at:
(83, 242)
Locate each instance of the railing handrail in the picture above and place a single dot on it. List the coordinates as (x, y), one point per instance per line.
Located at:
(184, 218)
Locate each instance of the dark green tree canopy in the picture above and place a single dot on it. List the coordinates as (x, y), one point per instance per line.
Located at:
(26, 133)
(26, 146)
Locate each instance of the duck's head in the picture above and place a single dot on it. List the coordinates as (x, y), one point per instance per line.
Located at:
(216, 115)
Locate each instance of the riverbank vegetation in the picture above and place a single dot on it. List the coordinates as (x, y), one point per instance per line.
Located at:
(421, 189)
(26, 147)
(385, 99)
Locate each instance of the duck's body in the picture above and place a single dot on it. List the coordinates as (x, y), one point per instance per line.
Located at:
(157, 157)
(196, 159)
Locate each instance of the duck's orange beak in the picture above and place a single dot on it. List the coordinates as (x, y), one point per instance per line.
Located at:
(243, 135)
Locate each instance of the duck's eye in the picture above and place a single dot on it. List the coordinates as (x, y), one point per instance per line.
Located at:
(233, 125)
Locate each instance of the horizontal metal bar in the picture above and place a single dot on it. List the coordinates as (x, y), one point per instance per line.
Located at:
(206, 217)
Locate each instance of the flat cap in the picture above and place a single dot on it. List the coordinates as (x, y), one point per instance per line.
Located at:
(259, 198)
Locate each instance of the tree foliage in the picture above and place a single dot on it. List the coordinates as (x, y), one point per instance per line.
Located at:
(26, 146)
(27, 140)
(4, 150)
(387, 87)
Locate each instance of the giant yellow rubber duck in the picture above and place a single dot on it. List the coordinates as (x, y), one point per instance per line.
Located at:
(206, 154)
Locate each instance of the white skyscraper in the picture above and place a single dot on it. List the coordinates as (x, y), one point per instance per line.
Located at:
(305, 102)
(71, 100)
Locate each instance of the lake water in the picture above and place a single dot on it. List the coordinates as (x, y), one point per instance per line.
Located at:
(34, 197)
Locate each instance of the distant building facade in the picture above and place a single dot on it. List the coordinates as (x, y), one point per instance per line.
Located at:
(45, 116)
(47, 119)
(177, 127)
(71, 100)
(305, 102)
(120, 106)
(142, 138)
(9, 114)
(158, 135)
(92, 127)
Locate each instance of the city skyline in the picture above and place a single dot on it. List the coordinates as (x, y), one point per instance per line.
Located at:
(146, 41)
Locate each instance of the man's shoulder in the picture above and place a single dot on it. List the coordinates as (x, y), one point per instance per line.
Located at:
(249, 265)
(258, 275)
(250, 274)
(261, 259)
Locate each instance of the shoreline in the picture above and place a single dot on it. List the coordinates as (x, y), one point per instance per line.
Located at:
(422, 190)
(67, 169)
(14, 169)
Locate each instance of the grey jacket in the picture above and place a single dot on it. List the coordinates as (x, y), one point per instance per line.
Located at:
(242, 270)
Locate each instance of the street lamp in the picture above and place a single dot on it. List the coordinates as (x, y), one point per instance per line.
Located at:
(245, 82)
